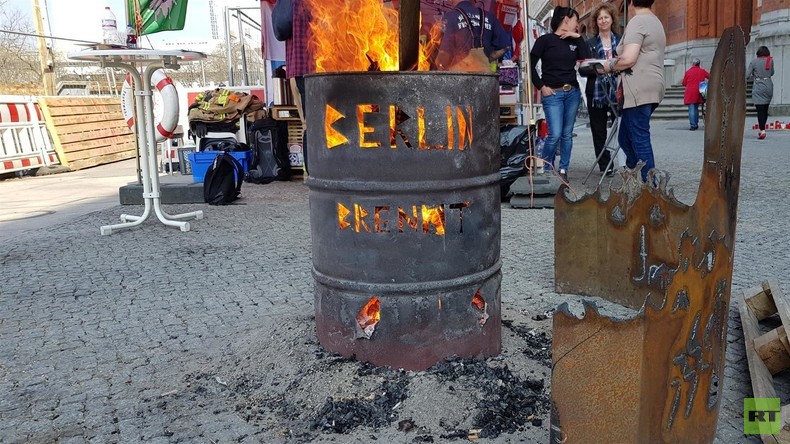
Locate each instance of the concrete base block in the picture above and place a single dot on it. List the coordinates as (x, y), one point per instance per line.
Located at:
(172, 193)
(537, 201)
(538, 194)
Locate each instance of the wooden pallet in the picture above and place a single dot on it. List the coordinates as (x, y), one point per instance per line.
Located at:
(88, 131)
(768, 353)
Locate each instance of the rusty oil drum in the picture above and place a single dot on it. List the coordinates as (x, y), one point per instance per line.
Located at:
(405, 208)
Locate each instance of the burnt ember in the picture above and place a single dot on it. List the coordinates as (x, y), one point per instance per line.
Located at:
(342, 416)
(509, 402)
(538, 343)
(304, 396)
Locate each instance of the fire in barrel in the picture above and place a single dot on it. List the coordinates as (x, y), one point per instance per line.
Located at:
(404, 194)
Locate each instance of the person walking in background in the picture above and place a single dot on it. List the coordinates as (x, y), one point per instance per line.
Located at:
(599, 91)
(558, 53)
(761, 69)
(641, 56)
(692, 97)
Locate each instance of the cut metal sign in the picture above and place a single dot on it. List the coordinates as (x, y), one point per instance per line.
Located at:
(657, 377)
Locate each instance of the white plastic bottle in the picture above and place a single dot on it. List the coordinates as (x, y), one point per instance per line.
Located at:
(109, 27)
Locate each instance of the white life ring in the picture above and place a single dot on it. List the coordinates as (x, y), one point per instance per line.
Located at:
(166, 120)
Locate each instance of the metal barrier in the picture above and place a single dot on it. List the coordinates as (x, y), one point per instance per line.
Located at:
(24, 139)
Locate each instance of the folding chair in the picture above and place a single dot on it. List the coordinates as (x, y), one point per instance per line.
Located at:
(611, 145)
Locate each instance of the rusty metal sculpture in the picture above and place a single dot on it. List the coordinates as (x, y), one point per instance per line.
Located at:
(655, 378)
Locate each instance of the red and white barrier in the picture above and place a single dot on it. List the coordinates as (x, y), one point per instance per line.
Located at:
(24, 139)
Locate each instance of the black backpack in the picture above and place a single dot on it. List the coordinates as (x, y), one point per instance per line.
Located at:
(222, 184)
(268, 139)
(221, 144)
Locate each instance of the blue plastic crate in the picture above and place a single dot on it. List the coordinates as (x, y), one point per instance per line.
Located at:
(200, 161)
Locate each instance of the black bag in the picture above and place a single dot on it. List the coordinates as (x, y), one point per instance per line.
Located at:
(282, 20)
(221, 144)
(270, 162)
(514, 141)
(222, 184)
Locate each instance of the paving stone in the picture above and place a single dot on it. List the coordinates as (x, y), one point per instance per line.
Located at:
(100, 323)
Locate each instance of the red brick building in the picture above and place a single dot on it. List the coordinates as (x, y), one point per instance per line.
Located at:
(693, 28)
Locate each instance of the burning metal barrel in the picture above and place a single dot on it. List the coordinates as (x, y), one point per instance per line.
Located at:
(405, 215)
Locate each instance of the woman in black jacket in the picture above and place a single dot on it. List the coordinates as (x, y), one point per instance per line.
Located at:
(558, 53)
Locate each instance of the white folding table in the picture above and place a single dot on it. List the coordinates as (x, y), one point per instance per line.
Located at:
(147, 61)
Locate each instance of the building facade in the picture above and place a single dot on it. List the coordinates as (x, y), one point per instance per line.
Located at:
(693, 29)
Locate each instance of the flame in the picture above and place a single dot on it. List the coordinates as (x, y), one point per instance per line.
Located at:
(369, 316)
(363, 130)
(348, 35)
(342, 214)
(450, 128)
(333, 137)
(482, 306)
(380, 224)
(421, 128)
(360, 35)
(359, 216)
(404, 219)
(478, 301)
(430, 47)
(433, 216)
(464, 130)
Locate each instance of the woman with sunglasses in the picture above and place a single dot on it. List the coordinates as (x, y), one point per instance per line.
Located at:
(558, 53)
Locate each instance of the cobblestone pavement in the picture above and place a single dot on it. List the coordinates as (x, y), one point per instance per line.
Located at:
(96, 329)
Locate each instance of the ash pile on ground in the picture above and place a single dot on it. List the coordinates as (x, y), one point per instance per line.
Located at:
(289, 389)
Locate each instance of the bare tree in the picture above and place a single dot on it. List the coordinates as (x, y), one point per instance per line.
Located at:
(20, 64)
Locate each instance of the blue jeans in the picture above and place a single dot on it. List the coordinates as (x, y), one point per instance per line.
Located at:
(694, 115)
(634, 137)
(560, 109)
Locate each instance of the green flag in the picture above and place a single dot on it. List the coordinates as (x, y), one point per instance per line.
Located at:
(158, 15)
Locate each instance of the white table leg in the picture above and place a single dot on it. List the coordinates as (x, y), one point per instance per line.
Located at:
(165, 218)
(127, 220)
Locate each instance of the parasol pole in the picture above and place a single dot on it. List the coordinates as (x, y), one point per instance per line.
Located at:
(409, 34)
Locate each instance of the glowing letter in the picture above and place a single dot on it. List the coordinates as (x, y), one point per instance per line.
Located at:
(380, 225)
(333, 136)
(361, 111)
(464, 129)
(342, 214)
(433, 216)
(359, 215)
(397, 116)
(403, 217)
(421, 131)
(450, 129)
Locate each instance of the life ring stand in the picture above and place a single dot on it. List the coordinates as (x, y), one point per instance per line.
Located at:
(168, 121)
